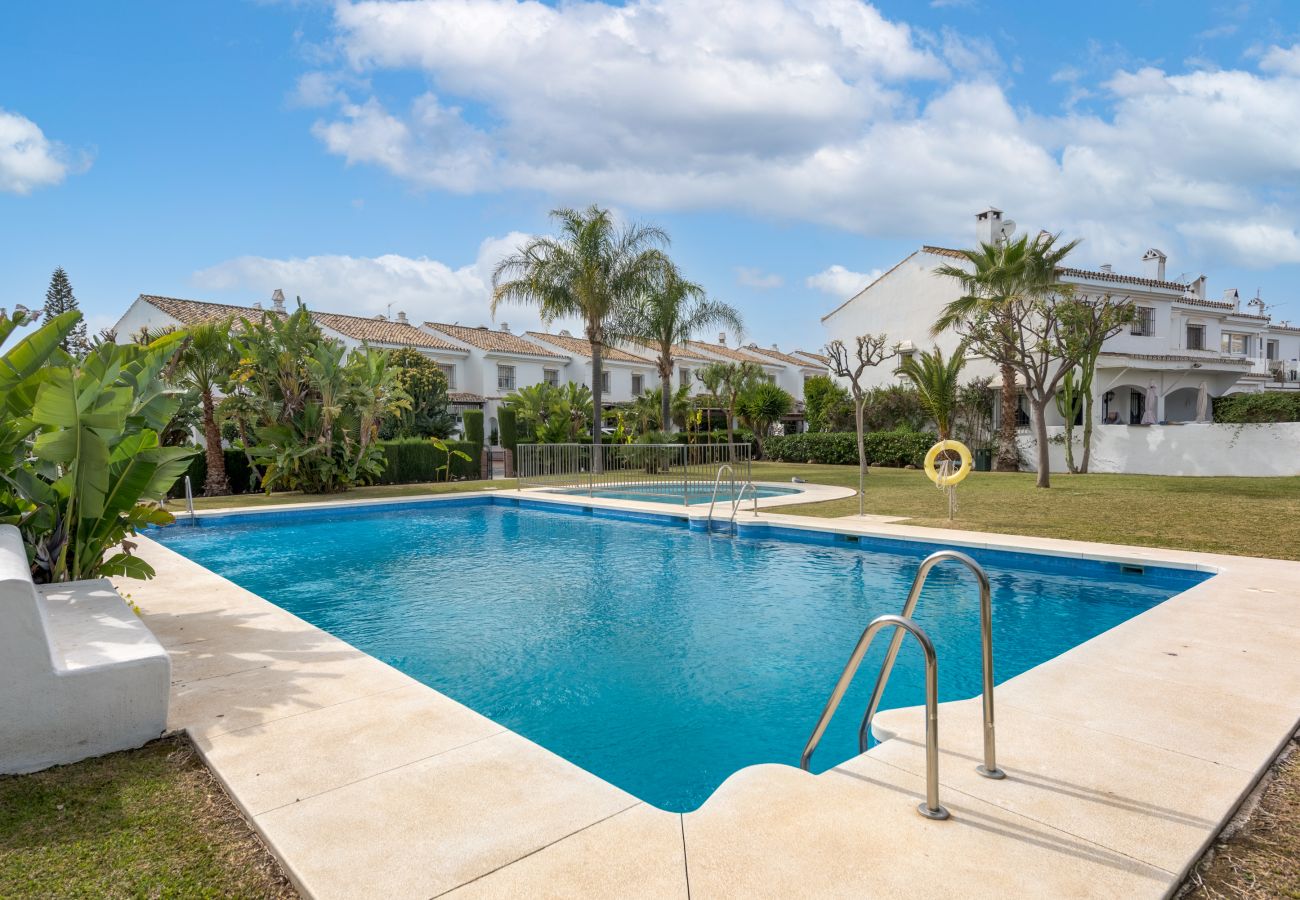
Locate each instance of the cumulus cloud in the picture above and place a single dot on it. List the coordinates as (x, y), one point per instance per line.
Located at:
(804, 111)
(757, 278)
(840, 282)
(425, 289)
(28, 159)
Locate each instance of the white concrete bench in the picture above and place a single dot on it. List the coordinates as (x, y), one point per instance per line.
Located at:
(80, 674)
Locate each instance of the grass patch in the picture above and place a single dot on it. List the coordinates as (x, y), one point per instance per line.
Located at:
(1240, 516)
(377, 491)
(1259, 857)
(151, 822)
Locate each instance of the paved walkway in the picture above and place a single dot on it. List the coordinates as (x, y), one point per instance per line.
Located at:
(1124, 757)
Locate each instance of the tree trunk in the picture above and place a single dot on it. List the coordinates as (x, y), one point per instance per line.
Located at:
(665, 388)
(215, 483)
(1008, 459)
(731, 430)
(1039, 411)
(597, 407)
(859, 415)
(1087, 431)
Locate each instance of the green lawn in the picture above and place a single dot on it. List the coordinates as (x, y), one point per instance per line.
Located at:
(144, 823)
(1243, 516)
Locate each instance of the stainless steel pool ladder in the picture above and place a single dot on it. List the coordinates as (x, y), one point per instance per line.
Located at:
(189, 500)
(989, 768)
(717, 482)
(931, 808)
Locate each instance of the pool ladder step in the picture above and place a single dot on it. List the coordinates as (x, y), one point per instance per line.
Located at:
(902, 624)
(737, 497)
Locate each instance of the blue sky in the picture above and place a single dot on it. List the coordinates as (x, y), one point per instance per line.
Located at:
(362, 155)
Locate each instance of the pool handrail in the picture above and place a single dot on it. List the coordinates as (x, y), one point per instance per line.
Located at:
(989, 768)
(931, 808)
(717, 481)
(735, 504)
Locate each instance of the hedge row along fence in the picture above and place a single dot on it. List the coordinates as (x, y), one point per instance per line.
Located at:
(1260, 408)
(884, 448)
(406, 461)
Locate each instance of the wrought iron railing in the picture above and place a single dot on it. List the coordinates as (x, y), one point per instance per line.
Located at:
(674, 472)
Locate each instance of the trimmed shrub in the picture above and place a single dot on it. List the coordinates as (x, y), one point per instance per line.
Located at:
(416, 460)
(473, 419)
(508, 424)
(1257, 408)
(884, 448)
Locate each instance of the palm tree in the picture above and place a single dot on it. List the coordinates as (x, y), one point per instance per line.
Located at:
(203, 365)
(728, 382)
(594, 271)
(761, 406)
(674, 311)
(938, 381)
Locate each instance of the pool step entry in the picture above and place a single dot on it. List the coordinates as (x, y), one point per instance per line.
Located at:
(903, 623)
(737, 497)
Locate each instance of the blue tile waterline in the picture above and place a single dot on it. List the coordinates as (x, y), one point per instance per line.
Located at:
(656, 656)
(693, 493)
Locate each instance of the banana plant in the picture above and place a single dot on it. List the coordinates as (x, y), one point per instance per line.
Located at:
(445, 468)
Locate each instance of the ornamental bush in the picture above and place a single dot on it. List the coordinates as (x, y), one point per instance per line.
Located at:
(884, 448)
(509, 428)
(473, 419)
(1257, 408)
(415, 460)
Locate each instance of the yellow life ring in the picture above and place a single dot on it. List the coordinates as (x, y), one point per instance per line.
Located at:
(954, 477)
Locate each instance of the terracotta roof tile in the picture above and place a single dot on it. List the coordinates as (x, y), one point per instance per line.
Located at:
(679, 351)
(464, 397)
(582, 347)
(382, 331)
(778, 355)
(820, 357)
(730, 353)
(943, 251)
(196, 312)
(491, 340)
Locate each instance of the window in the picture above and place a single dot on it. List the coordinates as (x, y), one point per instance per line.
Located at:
(683, 375)
(1195, 337)
(638, 385)
(505, 378)
(551, 377)
(605, 383)
(450, 373)
(1271, 350)
(1144, 324)
(1235, 344)
(1137, 401)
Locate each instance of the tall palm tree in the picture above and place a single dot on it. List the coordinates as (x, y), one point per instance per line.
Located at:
(593, 271)
(674, 311)
(937, 380)
(204, 363)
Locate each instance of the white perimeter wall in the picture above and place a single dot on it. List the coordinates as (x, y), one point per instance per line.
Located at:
(1240, 450)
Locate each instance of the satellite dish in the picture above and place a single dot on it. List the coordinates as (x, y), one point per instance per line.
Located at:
(1008, 229)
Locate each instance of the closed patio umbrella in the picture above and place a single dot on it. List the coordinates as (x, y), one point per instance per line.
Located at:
(1149, 408)
(1203, 403)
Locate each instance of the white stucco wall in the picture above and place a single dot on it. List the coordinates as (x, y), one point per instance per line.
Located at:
(1236, 450)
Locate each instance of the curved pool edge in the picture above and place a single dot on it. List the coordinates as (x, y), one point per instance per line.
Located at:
(767, 827)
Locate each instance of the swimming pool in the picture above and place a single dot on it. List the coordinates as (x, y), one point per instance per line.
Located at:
(689, 493)
(659, 658)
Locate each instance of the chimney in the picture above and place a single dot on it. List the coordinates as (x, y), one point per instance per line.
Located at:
(1107, 268)
(1197, 288)
(1153, 264)
(722, 338)
(401, 317)
(775, 347)
(505, 326)
(381, 317)
(277, 300)
(257, 305)
(1231, 296)
(988, 226)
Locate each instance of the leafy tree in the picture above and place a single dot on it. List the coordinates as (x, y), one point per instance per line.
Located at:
(870, 350)
(594, 271)
(673, 311)
(937, 382)
(825, 403)
(1018, 314)
(728, 382)
(892, 407)
(425, 385)
(553, 415)
(204, 364)
(761, 406)
(974, 424)
(316, 407)
(60, 299)
(1087, 323)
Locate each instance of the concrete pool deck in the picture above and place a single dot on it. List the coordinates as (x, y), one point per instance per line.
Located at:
(1124, 757)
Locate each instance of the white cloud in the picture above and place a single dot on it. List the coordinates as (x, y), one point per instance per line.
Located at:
(670, 105)
(757, 278)
(425, 289)
(841, 282)
(28, 159)
(1252, 243)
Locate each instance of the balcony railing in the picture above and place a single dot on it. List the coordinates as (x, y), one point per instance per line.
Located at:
(682, 473)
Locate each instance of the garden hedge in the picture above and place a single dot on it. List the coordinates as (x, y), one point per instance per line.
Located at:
(508, 426)
(473, 419)
(1257, 408)
(884, 448)
(413, 460)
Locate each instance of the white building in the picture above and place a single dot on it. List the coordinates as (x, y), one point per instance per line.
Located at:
(1181, 338)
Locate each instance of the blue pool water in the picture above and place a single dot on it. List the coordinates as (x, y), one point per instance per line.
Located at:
(659, 658)
(692, 493)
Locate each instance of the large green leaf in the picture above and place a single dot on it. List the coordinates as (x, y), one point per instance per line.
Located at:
(125, 564)
(33, 351)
